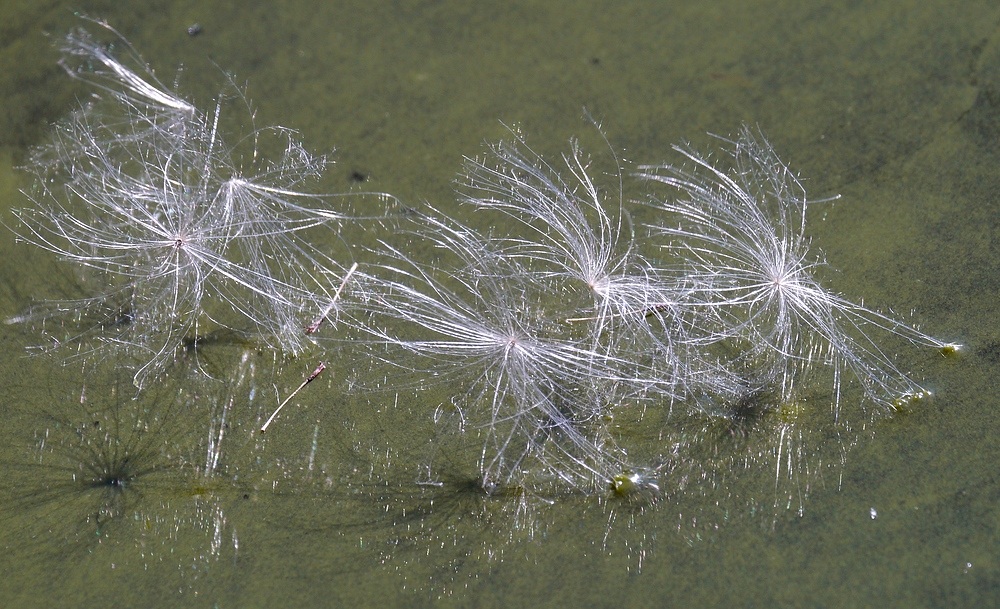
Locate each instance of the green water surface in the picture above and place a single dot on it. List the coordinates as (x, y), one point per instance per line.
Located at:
(894, 105)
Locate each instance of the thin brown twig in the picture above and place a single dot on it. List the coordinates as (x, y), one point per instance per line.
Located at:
(312, 376)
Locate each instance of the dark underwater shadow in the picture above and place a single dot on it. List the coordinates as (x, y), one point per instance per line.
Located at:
(102, 484)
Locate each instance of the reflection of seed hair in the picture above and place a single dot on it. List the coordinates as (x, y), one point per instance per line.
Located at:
(129, 473)
(451, 530)
(91, 465)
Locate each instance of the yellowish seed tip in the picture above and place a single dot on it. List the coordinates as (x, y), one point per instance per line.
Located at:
(907, 401)
(951, 350)
(623, 484)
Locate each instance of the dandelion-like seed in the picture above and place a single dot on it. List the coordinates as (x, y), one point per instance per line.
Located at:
(740, 227)
(530, 394)
(578, 239)
(578, 235)
(705, 340)
(187, 233)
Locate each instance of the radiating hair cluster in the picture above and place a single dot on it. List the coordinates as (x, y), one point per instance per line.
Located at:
(570, 348)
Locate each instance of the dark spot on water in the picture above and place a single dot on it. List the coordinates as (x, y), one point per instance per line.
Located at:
(990, 351)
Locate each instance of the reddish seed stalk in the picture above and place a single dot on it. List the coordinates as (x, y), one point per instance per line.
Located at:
(315, 373)
(319, 321)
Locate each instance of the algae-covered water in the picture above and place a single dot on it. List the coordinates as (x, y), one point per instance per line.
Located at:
(171, 499)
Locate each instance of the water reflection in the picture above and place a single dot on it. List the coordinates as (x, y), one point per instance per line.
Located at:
(118, 479)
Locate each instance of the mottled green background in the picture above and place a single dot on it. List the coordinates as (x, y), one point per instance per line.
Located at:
(894, 105)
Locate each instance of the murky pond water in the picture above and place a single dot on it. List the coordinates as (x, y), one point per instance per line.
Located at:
(171, 498)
